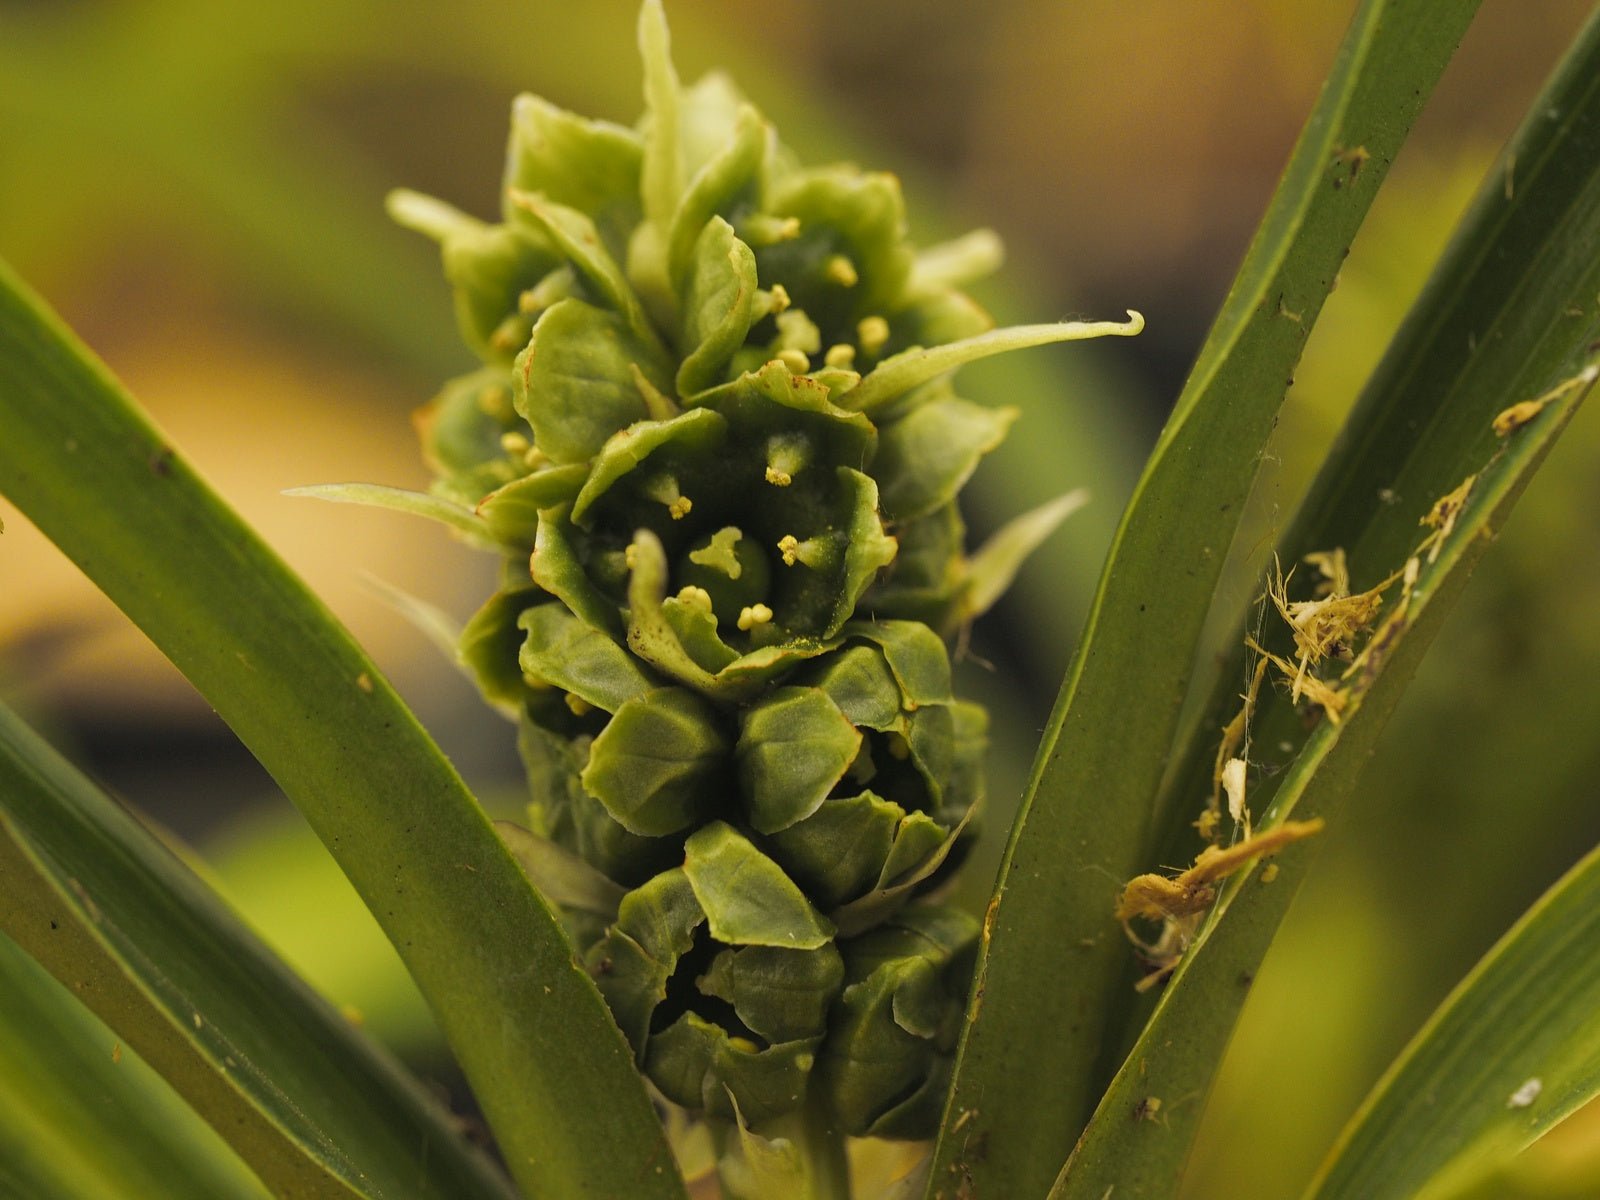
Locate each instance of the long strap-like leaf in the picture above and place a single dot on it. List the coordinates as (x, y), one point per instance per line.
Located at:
(1517, 289)
(315, 1107)
(81, 1114)
(1512, 1051)
(530, 1029)
(1051, 956)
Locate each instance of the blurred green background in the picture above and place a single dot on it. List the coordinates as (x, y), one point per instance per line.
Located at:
(198, 185)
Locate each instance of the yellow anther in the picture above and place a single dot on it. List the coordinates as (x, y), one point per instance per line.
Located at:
(629, 555)
(515, 443)
(535, 457)
(841, 356)
(696, 597)
(780, 298)
(872, 333)
(664, 490)
(788, 545)
(898, 747)
(795, 360)
(756, 614)
(578, 705)
(528, 302)
(787, 455)
(841, 270)
(495, 402)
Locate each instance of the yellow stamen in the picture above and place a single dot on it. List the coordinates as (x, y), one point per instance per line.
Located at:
(872, 333)
(696, 597)
(841, 356)
(841, 270)
(756, 614)
(496, 402)
(795, 360)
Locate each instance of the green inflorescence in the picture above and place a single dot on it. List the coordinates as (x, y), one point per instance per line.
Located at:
(715, 436)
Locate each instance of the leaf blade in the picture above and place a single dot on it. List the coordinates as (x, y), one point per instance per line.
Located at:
(1462, 1079)
(81, 1116)
(1084, 817)
(98, 479)
(1513, 275)
(100, 903)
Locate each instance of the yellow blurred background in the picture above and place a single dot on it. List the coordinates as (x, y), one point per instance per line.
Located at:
(198, 186)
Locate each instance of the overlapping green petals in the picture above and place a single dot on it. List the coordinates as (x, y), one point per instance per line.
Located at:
(576, 382)
(794, 746)
(886, 1063)
(658, 765)
(716, 439)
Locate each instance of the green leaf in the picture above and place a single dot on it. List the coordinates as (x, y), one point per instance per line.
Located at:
(1085, 816)
(578, 658)
(698, 1063)
(695, 627)
(747, 898)
(895, 886)
(1517, 271)
(101, 482)
(730, 178)
(458, 517)
(885, 1065)
(794, 746)
(719, 306)
(581, 163)
(842, 211)
(779, 993)
(83, 1115)
(992, 569)
(753, 1167)
(657, 766)
(461, 429)
(512, 511)
(575, 235)
(575, 382)
(915, 654)
(839, 852)
(561, 876)
(107, 909)
(655, 927)
(926, 456)
(858, 681)
(958, 262)
(490, 644)
(663, 152)
(699, 430)
(555, 566)
(774, 399)
(894, 377)
(1510, 1053)
(650, 634)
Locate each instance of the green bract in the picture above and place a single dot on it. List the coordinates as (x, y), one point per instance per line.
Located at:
(715, 436)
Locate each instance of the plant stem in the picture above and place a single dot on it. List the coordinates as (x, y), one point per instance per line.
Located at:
(822, 1145)
(799, 1156)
